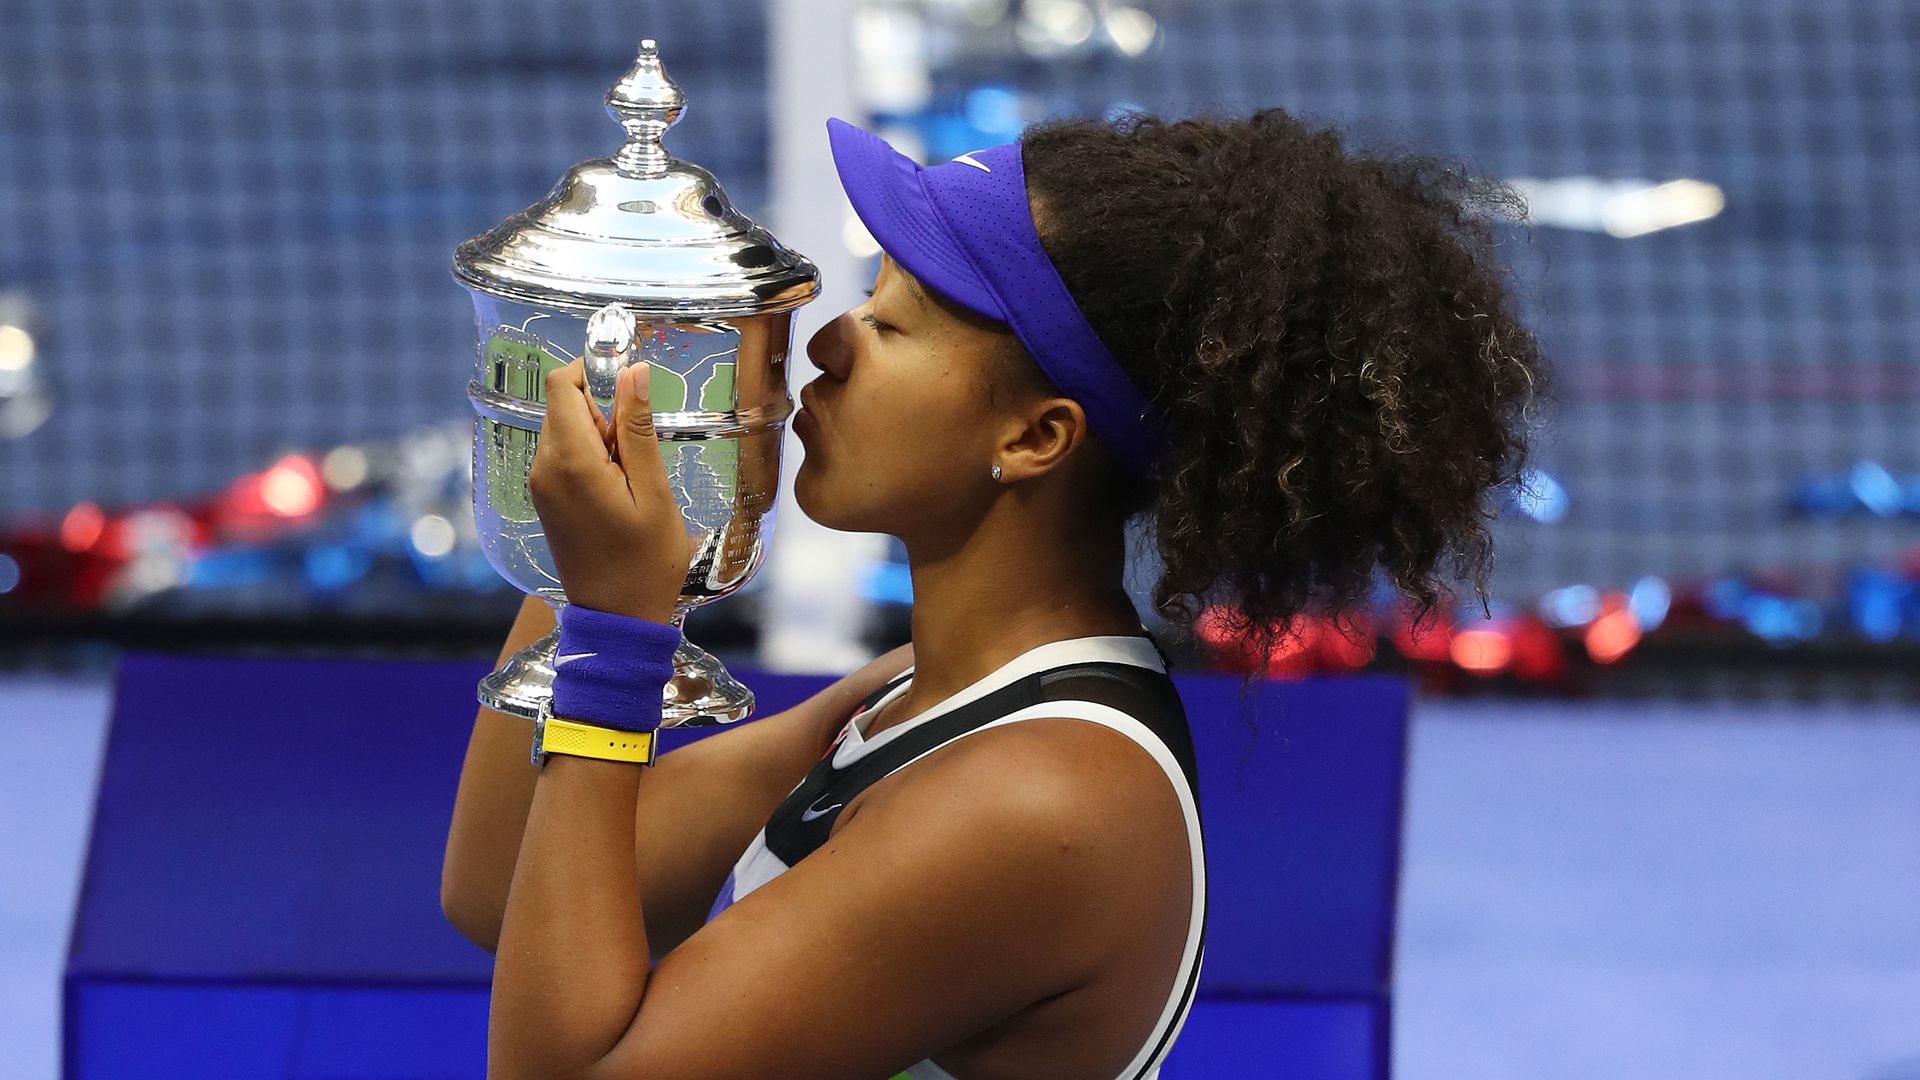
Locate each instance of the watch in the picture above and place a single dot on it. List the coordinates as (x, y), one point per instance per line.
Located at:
(553, 735)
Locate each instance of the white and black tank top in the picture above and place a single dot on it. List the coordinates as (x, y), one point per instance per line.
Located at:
(1118, 681)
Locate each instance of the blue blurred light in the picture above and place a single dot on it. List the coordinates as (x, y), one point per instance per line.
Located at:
(226, 568)
(1570, 605)
(1781, 619)
(436, 571)
(334, 566)
(9, 573)
(477, 572)
(1725, 598)
(1910, 494)
(994, 110)
(949, 134)
(1874, 597)
(1648, 600)
(1875, 487)
(1910, 609)
(1825, 497)
(1540, 496)
(1385, 595)
(380, 525)
(888, 583)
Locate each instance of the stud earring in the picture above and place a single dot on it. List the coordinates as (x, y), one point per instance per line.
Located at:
(996, 472)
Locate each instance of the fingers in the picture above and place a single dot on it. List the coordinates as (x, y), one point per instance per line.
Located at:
(600, 423)
(572, 453)
(637, 444)
(569, 423)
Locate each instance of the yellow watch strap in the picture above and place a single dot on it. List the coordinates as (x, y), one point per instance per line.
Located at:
(588, 740)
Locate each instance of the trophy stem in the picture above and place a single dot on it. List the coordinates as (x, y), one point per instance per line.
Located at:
(526, 679)
(702, 692)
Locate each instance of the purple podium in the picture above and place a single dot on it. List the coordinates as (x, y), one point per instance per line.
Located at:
(261, 890)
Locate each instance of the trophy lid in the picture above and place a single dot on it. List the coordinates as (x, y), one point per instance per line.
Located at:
(640, 227)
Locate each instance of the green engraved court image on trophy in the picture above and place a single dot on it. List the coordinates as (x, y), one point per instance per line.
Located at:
(636, 256)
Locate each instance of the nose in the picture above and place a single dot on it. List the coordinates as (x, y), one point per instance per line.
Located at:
(829, 348)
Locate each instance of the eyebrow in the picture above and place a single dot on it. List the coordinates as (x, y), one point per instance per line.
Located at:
(913, 286)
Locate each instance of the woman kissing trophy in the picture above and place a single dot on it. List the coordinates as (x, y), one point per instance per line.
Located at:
(637, 256)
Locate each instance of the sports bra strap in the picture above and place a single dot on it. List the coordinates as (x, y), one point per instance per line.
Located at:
(804, 819)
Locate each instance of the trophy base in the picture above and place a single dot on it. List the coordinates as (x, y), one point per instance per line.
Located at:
(701, 694)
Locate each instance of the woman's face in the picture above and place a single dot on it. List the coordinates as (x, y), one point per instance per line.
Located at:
(902, 430)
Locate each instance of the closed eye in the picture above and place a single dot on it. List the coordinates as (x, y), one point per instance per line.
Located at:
(877, 326)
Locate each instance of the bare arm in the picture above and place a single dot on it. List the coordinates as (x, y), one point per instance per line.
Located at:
(705, 801)
(700, 807)
(490, 807)
(1016, 867)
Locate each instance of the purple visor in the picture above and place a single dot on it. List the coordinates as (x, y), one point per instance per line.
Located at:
(964, 230)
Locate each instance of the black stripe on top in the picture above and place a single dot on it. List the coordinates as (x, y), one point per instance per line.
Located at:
(803, 820)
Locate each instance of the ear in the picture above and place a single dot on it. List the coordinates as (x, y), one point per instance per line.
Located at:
(1042, 437)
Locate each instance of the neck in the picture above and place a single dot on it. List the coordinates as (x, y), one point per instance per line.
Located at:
(979, 603)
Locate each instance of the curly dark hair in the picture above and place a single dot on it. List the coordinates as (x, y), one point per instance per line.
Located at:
(1329, 338)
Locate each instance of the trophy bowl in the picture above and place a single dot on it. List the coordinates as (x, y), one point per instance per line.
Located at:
(636, 256)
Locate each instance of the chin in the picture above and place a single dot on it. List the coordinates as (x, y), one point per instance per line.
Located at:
(816, 496)
(808, 496)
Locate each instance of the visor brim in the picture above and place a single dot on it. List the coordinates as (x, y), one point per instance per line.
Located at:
(890, 197)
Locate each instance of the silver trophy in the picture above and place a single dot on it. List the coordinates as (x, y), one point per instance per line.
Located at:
(637, 255)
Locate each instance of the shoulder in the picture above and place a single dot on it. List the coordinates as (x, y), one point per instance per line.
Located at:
(1064, 807)
(1052, 768)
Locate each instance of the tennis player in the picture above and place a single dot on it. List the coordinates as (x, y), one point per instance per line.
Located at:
(980, 856)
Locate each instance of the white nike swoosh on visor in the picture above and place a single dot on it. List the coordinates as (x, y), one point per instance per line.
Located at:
(571, 657)
(967, 158)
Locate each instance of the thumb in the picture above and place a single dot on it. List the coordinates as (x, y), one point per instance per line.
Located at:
(634, 436)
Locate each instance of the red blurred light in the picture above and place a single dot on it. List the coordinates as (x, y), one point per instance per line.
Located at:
(1292, 655)
(1537, 651)
(1343, 651)
(1211, 627)
(1431, 642)
(82, 526)
(1614, 633)
(1484, 652)
(292, 487)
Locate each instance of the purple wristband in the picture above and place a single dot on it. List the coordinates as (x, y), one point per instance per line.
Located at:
(610, 669)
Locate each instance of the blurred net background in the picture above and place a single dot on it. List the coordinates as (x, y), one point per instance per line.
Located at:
(230, 222)
(236, 219)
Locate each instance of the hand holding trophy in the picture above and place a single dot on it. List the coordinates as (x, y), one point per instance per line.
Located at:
(618, 537)
(634, 259)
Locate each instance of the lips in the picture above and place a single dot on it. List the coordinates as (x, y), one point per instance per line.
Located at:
(805, 419)
(808, 405)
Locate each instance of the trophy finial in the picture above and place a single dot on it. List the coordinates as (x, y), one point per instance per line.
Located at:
(646, 101)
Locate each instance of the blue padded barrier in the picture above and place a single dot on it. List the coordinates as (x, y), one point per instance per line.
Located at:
(261, 890)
